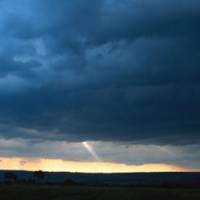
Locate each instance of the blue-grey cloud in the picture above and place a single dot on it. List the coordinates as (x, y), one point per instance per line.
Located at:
(109, 70)
(137, 154)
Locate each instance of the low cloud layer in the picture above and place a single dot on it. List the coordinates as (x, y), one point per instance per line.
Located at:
(187, 157)
(101, 70)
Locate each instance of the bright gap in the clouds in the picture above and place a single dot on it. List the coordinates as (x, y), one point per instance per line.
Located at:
(57, 165)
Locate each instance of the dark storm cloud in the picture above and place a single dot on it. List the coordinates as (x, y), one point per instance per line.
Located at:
(78, 70)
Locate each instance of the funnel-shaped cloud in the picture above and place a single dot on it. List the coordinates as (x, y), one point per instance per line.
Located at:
(92, 152)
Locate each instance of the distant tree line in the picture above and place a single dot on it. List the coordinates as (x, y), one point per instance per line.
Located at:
(38, 177)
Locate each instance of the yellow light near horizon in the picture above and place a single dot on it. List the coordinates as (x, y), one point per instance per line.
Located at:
(56, 165)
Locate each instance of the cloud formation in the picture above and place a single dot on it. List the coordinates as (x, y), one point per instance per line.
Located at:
(105, 152)
(103, 70)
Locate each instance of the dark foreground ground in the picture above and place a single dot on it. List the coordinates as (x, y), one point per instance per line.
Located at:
(32, 192)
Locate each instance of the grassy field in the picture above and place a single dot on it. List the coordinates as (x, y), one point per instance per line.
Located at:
(92, 193)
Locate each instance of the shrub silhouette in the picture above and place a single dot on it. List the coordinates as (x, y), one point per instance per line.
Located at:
(69, 182)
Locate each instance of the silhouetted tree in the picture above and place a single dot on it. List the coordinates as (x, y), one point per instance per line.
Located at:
(39, 175)
(10, 177)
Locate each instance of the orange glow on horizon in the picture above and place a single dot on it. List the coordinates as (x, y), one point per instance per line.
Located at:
(55, 165)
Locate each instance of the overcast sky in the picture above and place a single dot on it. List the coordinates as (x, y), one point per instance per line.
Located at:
(124, 74)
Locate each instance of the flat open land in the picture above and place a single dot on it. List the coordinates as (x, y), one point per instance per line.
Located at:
(32, 192)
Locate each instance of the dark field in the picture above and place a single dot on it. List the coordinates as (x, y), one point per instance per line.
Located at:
(101, 193)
